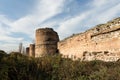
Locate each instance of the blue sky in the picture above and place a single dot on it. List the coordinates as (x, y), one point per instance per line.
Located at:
(20, 18)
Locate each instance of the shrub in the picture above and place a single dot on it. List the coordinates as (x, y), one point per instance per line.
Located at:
(15, 66)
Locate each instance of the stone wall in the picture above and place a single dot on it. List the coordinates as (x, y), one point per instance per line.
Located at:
(102, 42)
(101, 55)
(73, 47)
(101, 38)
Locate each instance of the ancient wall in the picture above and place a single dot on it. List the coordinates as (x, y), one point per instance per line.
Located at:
(101, 55)
(46, 42)
(102, 42)
(101, 38)
(32, 50)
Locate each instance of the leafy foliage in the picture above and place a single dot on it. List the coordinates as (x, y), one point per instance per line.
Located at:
(15, 66)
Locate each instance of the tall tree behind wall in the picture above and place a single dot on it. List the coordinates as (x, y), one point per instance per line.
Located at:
(20, 47)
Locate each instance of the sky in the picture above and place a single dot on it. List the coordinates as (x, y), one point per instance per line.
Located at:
(20, 18)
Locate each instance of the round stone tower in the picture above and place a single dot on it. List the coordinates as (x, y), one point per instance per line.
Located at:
(32, 50)
(46, 42)
(27, 51)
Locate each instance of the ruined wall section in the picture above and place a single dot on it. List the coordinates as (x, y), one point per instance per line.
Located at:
(73, 46)
(104, 37)
(32, 50)
(27, 51)
(46, 42)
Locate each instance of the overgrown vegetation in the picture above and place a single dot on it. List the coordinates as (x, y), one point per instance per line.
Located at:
(15, 66)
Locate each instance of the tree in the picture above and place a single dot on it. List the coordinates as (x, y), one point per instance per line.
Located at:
(20, 47)
(23, 50)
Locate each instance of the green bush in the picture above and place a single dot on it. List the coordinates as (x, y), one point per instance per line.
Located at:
(15, 66)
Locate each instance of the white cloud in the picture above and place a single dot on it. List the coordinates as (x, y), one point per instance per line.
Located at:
(100, 12)
(9, 47)
(100, 3)
(48, 8)
(71, 25)
(43, 10)
(5, 30)
(4, 19)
